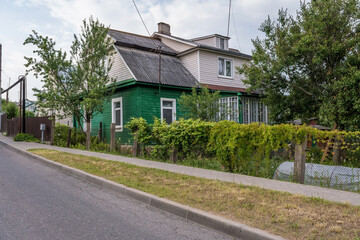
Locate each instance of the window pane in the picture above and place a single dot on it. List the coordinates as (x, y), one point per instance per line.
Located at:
(116, 104)
(117, 117)
(228, 68)
(221, 66)
(222, 43)
(167, 103)
(168, 115)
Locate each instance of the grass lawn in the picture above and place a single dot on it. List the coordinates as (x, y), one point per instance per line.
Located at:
(288, 215)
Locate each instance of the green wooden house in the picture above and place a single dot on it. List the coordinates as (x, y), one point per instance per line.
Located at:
(151, 73)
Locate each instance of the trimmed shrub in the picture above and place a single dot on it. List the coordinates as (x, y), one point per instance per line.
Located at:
(25, 137)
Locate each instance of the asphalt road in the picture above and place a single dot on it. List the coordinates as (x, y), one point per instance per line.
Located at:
(38, 202)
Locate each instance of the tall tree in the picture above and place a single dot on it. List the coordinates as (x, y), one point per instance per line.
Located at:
(78, 84)
(308, 65)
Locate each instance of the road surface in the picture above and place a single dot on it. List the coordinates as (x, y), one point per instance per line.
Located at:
(38, 202)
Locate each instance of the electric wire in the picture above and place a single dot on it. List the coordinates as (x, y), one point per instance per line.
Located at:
(236, 34)
(141, 18)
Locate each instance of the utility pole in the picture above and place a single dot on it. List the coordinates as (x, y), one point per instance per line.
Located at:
(0, 79)
(24, 107)
(228, 19)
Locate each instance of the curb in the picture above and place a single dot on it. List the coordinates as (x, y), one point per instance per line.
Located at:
(231, 228)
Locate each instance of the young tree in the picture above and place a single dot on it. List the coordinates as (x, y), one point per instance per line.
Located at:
(77, 85)
(308, 65)
(202, 105)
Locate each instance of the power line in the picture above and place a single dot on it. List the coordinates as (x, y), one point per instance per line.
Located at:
(141, 17)
(236, 34)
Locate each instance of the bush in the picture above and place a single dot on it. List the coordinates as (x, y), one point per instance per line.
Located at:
(25, 137)
(188, 137)
(61, 136)
(11, 110)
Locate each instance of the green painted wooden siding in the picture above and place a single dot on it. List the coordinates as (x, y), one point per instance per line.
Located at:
(137, 101)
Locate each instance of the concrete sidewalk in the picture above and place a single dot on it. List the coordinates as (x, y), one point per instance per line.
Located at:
(325, 193)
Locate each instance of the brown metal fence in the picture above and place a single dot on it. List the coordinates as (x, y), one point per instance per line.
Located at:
(12, 126)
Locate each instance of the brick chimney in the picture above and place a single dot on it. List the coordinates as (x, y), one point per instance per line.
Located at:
(164, 28)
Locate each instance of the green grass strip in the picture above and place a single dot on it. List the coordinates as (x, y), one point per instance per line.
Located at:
(288, 215)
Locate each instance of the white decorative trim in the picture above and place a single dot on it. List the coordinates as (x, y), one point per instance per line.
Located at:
(173, 107)
(132, 74)
(113, 119)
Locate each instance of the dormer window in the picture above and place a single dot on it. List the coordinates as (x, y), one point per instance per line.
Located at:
(222, 43)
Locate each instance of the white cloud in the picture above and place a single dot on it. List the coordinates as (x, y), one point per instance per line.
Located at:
(188, 19)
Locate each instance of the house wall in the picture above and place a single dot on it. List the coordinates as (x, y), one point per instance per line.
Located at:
(138, 101)
(208, 41)
(209, 70)
(177, 46)
(191, 62)
(119, 70)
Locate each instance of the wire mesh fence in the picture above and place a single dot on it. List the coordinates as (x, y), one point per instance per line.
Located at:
(337, 177)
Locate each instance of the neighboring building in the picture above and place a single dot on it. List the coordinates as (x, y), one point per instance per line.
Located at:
(151, 73)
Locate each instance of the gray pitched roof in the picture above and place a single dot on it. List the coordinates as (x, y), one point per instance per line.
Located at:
(207, 47)
(145, 66)
(140, 42)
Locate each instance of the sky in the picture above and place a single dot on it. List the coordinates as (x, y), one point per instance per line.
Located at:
(61, 19)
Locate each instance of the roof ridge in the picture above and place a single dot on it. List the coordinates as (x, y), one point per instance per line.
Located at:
(134, 34)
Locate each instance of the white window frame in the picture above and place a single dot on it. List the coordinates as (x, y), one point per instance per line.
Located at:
(173, 107)
(231, 105)
(118, 128)
(250, 110)
(232, 67)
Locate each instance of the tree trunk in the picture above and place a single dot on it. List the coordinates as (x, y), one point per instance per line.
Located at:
(88, 136)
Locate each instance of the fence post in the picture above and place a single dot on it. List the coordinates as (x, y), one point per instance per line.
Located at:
(100, 132)
(173, 155)
(69, 138)
(299, 162)
(52, 130)
(112, 136)
(136, 147)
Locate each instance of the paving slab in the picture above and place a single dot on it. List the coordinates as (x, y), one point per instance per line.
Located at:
(294, 188)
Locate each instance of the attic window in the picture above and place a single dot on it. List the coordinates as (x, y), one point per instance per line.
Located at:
(222, 43)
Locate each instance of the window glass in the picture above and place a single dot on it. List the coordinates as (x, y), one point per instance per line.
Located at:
(228, 68)
(167, 103)
(117, 105)
(225, 67)
(168, 115)
(117, 117)
(221, 66)
(222, 43)
(253, 110)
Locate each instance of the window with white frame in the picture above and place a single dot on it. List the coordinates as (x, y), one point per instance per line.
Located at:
(253, 110)
(117, 113)
(229, 109)
(168, 110)
(225, 67)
